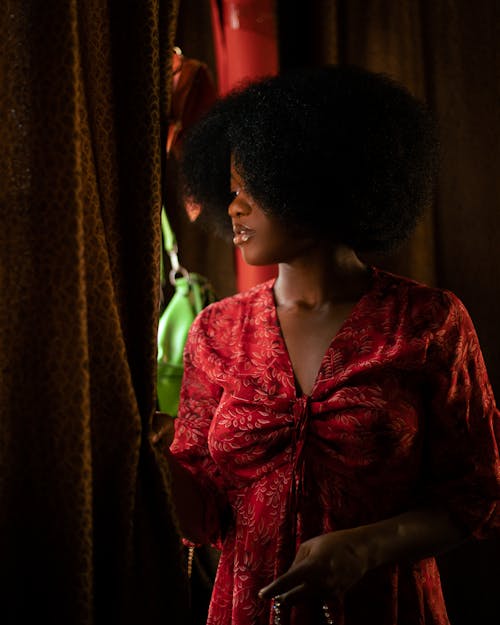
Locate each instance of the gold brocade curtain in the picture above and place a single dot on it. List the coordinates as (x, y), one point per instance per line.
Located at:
(86, 529)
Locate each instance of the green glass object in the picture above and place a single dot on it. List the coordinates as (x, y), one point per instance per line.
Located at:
(192, 293)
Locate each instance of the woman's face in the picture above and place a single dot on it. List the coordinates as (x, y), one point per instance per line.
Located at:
(262, 239)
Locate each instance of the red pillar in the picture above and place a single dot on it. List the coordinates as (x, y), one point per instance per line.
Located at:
(246, 47)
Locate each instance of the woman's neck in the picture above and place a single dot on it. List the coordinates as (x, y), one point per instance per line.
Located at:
(323, 276)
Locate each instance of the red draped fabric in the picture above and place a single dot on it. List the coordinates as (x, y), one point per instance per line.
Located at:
(245, 37)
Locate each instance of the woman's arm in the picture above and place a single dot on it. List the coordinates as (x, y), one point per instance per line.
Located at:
(188, 500)
(330, 564)
(184, 489)
(197, 487)
(420, 533)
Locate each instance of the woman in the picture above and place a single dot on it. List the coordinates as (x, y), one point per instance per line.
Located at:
(336, 425)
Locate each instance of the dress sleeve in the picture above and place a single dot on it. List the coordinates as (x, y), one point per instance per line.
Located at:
(198, 401)
(462, 435)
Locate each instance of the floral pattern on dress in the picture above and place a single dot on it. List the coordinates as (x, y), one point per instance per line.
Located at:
(401, 413)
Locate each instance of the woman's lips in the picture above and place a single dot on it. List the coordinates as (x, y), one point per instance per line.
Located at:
(242, 234)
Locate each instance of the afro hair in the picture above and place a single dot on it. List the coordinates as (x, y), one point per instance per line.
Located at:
(334, 149)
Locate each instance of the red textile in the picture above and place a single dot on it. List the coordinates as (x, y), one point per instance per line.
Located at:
(401, 413)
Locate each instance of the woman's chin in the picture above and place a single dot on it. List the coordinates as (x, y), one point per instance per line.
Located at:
(254, 259)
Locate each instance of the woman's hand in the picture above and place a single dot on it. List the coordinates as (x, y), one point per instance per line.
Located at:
(330, 564)
(324, 566)
(162, 430)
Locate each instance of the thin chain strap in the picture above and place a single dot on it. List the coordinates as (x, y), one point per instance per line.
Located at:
(190, 561)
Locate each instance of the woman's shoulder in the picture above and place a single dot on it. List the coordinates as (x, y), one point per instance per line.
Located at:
(402, 283)
(236, 308)
(418, 299)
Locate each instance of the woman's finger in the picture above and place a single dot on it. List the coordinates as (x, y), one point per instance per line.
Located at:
(292, 578)
(294, 595)
(162, 428)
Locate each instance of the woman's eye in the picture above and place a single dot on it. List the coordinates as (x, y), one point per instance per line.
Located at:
(233, 195)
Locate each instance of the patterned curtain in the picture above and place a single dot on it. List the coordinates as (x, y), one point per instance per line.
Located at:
(87, 533)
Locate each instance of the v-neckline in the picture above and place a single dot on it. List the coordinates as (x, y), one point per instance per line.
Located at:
(298, 391)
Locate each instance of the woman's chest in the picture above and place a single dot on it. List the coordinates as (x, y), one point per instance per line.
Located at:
(307, 336)
(368, 424)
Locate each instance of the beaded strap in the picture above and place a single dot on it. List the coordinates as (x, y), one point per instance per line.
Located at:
(277, 612)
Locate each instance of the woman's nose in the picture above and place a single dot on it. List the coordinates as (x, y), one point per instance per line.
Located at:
(238, 208)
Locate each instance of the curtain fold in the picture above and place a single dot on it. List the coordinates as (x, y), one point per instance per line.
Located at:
(388, 37)
(464, 72)
(87, 530)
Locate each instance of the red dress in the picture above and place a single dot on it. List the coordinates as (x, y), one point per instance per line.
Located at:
(401, 413)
